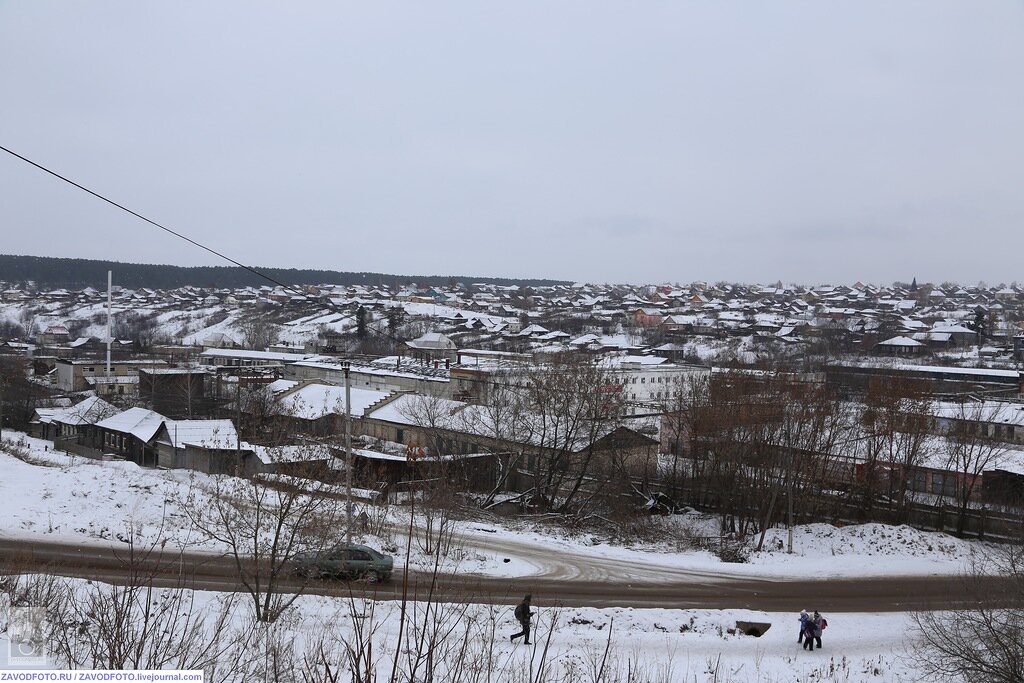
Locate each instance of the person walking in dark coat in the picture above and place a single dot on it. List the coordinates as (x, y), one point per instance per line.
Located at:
(808, 635)
(523, 615)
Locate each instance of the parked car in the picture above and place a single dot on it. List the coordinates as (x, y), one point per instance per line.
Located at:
(345, 562)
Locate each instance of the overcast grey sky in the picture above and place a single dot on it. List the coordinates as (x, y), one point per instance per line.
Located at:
(597, 141)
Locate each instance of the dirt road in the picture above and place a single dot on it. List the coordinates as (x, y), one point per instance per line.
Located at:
(565, 579)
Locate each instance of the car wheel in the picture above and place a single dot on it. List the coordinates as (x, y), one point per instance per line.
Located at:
(371, 577)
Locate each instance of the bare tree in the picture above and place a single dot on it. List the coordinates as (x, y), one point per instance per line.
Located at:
(802, 443)
(19, 395)
(984, 641)
(895, 423)
(752, 438)
(719, 430)
(257, 332)
(10, 329)
(263, 527)
(556, 422)
(573, 404)
(969, 451)
(142, 329)
(686, 397)
(177, 393)
(695, 434)
(501, 420)
(438, 472)
(256, 413)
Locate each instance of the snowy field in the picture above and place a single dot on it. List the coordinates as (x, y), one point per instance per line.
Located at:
(48, 495)
(569, 643)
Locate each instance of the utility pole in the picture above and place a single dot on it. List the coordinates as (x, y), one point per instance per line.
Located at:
(348, 453)
(789, 501)
(238, 425)
(789, 495)
(110, 327)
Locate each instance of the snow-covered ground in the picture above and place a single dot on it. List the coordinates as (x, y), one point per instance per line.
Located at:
(57, 497)
(64, 498)
(659, 644)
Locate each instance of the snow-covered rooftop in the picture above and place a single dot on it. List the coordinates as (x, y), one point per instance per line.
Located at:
(314, 401)
(139, 422)
(205, 433)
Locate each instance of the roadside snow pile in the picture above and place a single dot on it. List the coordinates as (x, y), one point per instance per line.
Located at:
(67, 498)
(819, 549)
(864, 545)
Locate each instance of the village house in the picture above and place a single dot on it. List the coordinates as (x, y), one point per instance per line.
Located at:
(648, 317)
(431, 426)
(432, 348)
(210, 446)
(958, 334)
(70, 425)
(316, 408)
(130, 435)
(53, 335)
(219, 340)
(900, 346)
(80, 375)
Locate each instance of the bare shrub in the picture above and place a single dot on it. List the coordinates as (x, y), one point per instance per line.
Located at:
(733, 550)
(136, 625)
(20, 449)
(436, 522)
(376, 517)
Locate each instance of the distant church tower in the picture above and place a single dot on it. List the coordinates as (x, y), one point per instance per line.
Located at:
(913, 285)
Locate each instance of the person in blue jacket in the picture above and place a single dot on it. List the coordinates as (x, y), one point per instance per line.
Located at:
(804, 618)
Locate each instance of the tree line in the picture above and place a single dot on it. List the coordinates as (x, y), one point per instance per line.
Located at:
(51, 272)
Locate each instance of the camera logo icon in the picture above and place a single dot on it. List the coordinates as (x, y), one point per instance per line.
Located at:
(26, 633)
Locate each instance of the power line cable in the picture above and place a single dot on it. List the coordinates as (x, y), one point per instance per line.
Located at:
(329, 304)
(99, 196)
